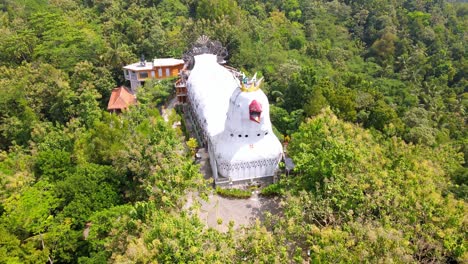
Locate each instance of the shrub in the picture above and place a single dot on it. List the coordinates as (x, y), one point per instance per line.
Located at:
(272, 190)
(233, 193)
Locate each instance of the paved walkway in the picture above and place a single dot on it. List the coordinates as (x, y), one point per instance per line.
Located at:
(204, 161)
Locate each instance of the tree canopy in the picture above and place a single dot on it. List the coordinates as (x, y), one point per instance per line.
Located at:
(370, 95)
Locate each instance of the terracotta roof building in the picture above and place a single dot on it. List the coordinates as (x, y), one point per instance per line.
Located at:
(121, 98)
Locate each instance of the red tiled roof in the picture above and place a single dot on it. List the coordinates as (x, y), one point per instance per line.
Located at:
(121, 98)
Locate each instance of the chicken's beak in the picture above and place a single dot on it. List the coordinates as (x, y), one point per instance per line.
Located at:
(255, 111)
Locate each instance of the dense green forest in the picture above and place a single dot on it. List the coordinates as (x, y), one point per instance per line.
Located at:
(372, 93)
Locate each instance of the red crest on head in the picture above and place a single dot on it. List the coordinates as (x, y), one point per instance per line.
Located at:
(255, 111)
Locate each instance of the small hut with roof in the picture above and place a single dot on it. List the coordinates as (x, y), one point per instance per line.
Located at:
(121, 98)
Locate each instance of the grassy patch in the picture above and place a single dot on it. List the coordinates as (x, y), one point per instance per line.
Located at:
(233, 193)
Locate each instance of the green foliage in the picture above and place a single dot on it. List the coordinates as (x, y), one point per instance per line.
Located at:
(148, 158)
(192, 144)
(300, 86)
(349, 181)
(64, 42)
(283, 121)
(100, 242)
(460, 180)
(381, 116)
(233, 193)
(13, 251)
(316, 103)
(103, 141)
(157, 235)
(15, 172)
(215, 9)
(88, 78)
(272, 190)
(30, 212)
(31, 93)
(53, 165)
(97, 189)
(67, 167)
(155, 93)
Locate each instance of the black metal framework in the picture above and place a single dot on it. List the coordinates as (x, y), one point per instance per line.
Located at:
(204, 45)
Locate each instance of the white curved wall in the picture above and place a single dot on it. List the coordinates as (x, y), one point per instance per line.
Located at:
(209, 87)
(242, 148)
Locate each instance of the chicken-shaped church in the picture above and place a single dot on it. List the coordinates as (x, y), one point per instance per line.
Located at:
(231, 116)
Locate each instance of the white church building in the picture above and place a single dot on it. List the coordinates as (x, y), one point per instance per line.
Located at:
(231, 116)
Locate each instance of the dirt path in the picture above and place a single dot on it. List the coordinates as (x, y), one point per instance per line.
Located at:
(170, 105)
(217, 212)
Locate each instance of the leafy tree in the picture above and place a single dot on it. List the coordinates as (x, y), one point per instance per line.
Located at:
(63, 42)
(460, 180)
(215, 9)
(350, 182)
(32, 93)
(316, 103)
(384, 47)
(192, 144)
(381, 115)
(89, 78)
(285, 122)
(14, 251)
(98, 189)
(31, 211)
(148, 159)
(300, 86)
(79, 185)
(53, 165)
(155, 93)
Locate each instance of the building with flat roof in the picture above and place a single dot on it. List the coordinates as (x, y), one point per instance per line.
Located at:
(138, 73)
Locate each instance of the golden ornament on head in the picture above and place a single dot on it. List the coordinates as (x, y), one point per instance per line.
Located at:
(252, 85)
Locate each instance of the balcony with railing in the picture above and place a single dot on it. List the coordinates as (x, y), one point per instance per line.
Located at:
(181, 91)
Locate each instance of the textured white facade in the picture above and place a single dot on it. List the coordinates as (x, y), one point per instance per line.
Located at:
(235, 124)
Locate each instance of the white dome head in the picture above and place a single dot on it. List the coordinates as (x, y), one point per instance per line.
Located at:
(248, 114)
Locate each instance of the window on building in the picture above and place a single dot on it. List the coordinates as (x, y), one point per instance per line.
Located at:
(143, 75)
(168, 72)
(133, 75)
(160, 72)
